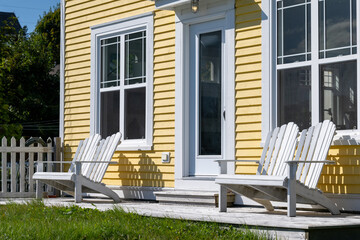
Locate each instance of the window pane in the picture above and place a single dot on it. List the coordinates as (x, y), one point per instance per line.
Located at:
(321, 26)
(308, 14)
(338, 94)
(337, 26)
(109, 113)
(110, 53)
(279, 35)
(293, 31)
(210, 94)
(294, 88)
(135, 103)
(135, 64)
(353, 14)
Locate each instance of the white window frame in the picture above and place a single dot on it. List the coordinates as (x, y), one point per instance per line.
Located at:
(115, 28)
(270, 67)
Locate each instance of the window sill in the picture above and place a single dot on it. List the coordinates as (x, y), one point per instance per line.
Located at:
(346, 137)
(133, 147)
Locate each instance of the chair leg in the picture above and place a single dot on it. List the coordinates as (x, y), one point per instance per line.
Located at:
(222, 199)
(78, 185)
(39, 189)
(291, 190)
(78, 191)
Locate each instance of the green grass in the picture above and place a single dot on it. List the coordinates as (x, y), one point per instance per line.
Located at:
(36, 221)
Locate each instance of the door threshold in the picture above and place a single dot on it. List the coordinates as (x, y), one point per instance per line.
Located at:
(200, 178)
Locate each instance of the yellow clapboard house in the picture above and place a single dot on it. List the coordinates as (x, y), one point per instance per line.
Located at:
(187, 82)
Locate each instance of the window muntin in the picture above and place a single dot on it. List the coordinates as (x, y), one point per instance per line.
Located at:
(123, 80)
(333, 53)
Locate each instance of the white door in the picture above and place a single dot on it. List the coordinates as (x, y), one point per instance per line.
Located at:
(206, 97)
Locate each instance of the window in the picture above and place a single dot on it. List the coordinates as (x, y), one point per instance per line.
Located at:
(122, 81)
(316, 62)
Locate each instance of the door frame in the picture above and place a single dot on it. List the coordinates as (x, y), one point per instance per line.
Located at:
(208, 11)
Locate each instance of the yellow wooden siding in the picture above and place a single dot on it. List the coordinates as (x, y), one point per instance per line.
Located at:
(134, 168)
(247, 83)
(342, 177)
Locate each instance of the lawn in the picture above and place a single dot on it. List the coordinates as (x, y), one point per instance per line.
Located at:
(36, 221)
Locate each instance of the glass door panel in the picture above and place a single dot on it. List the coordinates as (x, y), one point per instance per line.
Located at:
(210, 94)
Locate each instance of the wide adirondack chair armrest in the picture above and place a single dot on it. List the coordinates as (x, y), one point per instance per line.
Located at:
(294, 163)
(77, 164)
(223, 164)
(311, 161)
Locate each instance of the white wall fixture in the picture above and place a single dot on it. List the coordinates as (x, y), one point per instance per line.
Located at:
(165, 157)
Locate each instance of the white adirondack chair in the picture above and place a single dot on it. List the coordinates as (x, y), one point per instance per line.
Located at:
(86, 171)
(286, 179)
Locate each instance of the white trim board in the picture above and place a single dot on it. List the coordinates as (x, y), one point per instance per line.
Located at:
(170, 4)
(62, 72)
(208, 11)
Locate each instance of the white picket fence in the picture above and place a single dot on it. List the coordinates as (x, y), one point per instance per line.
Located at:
(18, 164)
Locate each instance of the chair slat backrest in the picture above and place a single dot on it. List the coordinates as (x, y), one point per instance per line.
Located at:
(114, 142)
(279, 147)
(98, 157)
(315, 148)
(263, 155)
(107, 150)
(267, 151)
(272, 158)
(86, 150)
(89, 170)
(325, 138)
(287, 149)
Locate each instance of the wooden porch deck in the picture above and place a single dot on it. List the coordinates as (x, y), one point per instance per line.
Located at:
(307, 224)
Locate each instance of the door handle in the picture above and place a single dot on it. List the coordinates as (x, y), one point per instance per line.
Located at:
(224, 114)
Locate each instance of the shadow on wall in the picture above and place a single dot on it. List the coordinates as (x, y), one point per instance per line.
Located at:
(143, 174)
(342, 177)
(67, 155)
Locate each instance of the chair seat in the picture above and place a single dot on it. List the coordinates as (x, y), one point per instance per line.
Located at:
(59, 176)
(255, 180)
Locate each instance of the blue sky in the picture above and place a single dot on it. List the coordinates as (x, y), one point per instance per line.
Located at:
(28, 11)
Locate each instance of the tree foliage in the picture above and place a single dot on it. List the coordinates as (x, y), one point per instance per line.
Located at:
(29, 88)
